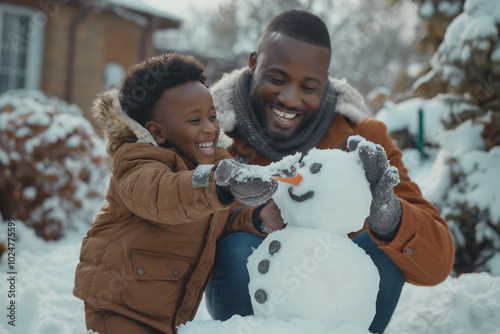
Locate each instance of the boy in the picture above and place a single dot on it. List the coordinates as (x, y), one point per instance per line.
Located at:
(147, 257)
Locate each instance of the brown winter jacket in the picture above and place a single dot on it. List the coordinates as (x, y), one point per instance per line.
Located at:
(423, 248)
(149, 253)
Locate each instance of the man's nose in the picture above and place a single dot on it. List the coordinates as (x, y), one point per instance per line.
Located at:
(290, 96)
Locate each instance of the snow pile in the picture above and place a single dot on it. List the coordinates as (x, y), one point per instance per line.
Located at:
(463, 305)
(44, 303)
(469, 52)
(53, 164)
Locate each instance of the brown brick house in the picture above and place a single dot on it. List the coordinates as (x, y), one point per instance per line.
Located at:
(66, 48)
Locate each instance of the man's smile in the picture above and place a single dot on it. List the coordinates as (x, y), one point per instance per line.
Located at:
(282, 114)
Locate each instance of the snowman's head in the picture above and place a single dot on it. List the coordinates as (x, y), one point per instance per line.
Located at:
(329, 192)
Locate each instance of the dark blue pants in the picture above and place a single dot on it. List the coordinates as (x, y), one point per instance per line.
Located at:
(227, 293)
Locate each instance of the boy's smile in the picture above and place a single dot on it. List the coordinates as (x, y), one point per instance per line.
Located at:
(187, 122)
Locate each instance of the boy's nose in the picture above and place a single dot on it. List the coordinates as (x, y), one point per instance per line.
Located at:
(209, 127)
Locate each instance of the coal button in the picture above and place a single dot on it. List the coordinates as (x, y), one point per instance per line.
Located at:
(274, 247)
(263, 266)
(260, 296)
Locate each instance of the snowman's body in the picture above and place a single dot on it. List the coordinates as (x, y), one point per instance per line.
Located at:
(311, 269)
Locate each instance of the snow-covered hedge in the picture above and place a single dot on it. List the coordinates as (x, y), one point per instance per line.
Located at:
(468, 59)
(463, 182)
(53, 165)
(464, 185)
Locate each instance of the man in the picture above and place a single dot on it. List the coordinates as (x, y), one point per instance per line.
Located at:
(284, 103)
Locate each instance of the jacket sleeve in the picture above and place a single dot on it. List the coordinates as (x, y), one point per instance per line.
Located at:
(150, 189)
(423, 248)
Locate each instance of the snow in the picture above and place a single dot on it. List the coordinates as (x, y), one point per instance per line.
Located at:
(348, 207)
(427, 9)
(405, 115)
(463, 305)
(113, 74)
(151, 7)
(450, 9)
(309, 260)
(470, 45)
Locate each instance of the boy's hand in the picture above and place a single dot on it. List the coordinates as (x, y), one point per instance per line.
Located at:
(244, 183)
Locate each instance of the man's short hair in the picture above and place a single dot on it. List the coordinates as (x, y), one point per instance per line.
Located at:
(300, 25)
(145, 82)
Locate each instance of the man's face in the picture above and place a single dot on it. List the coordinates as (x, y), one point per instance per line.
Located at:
(288, 79)
(188, 120)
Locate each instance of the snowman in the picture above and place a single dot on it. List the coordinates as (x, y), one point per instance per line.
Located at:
(311, 269)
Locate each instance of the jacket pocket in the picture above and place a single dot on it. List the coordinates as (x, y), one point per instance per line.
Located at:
(156, 283)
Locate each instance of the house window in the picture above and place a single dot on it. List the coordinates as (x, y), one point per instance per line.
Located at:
(21, 47)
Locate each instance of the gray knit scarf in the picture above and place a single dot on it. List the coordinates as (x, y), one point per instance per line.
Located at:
(253, 132)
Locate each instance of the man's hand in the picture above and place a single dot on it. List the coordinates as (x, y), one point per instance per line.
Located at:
(244, 182)
(385, 209)
(271, 217)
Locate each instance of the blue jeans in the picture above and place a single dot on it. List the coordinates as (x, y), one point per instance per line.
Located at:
(227, 293)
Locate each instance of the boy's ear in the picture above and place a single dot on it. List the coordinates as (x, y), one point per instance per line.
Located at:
(252, 61)
(157, 131)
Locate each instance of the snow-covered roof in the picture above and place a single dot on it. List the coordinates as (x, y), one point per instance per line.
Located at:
(149, 7)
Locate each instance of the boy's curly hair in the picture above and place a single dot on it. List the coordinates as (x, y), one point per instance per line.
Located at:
(145, 82)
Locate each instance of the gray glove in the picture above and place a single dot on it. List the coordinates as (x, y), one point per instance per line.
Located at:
(385, 209)
(244, 182)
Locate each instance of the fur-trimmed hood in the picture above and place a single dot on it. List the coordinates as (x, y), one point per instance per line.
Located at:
(350, 102)
(117, 126)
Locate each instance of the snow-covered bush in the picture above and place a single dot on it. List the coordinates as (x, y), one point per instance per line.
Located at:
(463, 182)
(468, 59)
(464, 186)
(437, 15)
(53, 165)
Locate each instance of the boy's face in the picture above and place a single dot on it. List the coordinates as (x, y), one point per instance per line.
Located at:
(188, 121)
(288, 79)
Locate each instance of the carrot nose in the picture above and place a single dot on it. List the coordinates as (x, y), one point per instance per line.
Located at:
(295, 180)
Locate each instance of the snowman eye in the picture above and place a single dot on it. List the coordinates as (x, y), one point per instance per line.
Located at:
(315, 167)
(302, 164)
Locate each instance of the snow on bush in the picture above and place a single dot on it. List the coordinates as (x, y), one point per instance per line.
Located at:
(53, 166)
(463, 182)
(444, 111)
(435, 8)
(468, 59)
(464, 185)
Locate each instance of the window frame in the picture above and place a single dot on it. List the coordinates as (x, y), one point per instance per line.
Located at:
(35, 42)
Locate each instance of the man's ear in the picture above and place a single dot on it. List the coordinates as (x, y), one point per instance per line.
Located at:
(252, 62)
(157, 131)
